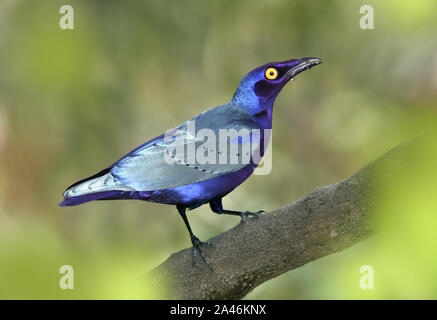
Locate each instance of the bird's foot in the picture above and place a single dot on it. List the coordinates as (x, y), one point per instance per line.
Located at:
(245, 214)
(197, 248)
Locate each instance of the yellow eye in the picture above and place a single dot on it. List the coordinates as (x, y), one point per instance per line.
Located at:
(271, 73)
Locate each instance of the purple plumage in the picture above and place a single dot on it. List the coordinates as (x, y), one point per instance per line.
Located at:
(146, 174)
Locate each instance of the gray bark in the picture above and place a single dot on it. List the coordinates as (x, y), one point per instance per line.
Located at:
(325, 221)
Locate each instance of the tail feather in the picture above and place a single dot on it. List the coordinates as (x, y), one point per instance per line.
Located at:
(99, 186)
(97, 175)
(77, 200)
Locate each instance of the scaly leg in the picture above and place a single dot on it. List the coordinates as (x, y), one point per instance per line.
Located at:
(217, 207)
(194, 240)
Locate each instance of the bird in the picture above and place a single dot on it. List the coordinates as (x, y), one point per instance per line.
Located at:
(163, 171)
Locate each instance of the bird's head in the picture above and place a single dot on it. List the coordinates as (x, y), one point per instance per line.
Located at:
(260, 87)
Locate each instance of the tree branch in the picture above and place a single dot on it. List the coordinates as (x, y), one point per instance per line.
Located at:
(325, 221)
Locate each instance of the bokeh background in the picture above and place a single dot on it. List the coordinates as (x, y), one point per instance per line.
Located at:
(74, 101)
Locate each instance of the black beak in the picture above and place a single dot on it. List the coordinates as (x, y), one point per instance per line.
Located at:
(302, 65)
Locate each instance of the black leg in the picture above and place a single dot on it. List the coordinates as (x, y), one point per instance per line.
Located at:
(194, 240)
(217, 207)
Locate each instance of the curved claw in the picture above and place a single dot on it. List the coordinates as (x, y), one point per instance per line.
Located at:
(244, 215)
(197, 248)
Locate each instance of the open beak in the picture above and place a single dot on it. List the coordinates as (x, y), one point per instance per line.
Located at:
(302, 65)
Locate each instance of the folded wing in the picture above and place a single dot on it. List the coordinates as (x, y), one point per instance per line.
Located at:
(155, 166)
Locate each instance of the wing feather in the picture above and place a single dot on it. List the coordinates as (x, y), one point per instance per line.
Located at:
(146, 168)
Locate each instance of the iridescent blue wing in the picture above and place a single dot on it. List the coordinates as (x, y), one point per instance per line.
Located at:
(157, 166)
